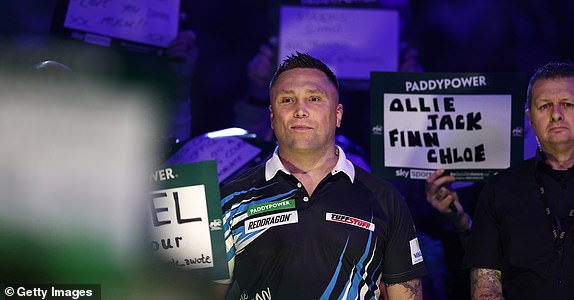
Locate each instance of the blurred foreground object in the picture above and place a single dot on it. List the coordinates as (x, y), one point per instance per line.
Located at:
(74, 163)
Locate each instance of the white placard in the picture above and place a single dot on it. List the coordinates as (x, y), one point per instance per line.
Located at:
(452, 131)
(230, 153)
(352, 42)
(181, 226)
(153, 22)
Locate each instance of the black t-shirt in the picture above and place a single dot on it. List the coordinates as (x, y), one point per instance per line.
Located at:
(512, 233)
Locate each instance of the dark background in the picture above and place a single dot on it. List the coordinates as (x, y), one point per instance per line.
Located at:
(451, 36)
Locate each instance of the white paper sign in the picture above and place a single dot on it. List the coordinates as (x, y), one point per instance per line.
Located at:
(230, 153)
(153, 22)
(352, 42)
(454, 131)
(181, 226)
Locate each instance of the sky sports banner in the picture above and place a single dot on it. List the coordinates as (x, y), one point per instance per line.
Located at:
(186, 220)
(470, 124)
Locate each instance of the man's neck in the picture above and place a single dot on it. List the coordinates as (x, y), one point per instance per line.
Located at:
(560, 159)
(305, 162)
(309, 168)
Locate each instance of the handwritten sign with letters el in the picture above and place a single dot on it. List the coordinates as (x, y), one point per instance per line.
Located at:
(469, 124)
(186, 220)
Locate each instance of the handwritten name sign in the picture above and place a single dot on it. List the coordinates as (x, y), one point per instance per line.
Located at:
(468, 124)
(152, 22)
(230, 153)
(185, 218)
(181, 226)
(432, 131)
(351, 41)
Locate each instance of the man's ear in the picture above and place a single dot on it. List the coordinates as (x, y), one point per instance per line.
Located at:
(271, 116)
(339, 114)
(528, 114)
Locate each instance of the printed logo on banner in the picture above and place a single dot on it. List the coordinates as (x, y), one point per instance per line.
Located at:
(163, 174)
(517, 131)
(420, 174)
(402, 173)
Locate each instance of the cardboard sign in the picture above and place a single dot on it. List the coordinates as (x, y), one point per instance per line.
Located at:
(469, 124)
(140, 25)
(351, 41)
(230, 153)
(186, 219)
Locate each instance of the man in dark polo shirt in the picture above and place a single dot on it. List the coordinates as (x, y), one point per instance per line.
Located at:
(308, 224)
(521, 243)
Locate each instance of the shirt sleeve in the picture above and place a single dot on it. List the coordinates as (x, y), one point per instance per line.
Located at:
(403, 257)
(484, 248)
(228, 213)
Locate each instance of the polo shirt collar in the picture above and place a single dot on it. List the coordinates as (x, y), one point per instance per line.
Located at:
(273, 165)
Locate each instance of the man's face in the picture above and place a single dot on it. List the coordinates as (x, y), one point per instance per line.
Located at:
(304, 110)
(552, 112)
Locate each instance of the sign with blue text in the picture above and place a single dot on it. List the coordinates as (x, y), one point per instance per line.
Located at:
(470, 124)
(186, 220)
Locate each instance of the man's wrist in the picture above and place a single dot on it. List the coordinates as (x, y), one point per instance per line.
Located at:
(461, 221)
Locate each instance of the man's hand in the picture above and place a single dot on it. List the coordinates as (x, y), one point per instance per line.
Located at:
(439, 194)
(486, 284)
(444, 199)
(183, 54)
(259, 71)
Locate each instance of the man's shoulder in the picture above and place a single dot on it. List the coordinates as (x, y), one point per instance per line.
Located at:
(244, 180)
(522, 171)
(373, 182)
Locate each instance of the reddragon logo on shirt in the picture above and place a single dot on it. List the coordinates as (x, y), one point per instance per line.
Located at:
(350, 220)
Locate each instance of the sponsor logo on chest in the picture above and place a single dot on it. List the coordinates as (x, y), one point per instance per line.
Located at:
(333, 217)
(268, 221)
(270, 206)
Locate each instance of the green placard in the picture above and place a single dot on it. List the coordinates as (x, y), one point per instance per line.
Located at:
(470, 124)
(186, 218)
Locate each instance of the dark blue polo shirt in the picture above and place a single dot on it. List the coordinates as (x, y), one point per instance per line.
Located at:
(352, 234)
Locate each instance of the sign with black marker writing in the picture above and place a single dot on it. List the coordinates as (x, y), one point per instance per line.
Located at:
(351, 41)
(469, 124)
(230, 153)
(186, 220)
(141, 25)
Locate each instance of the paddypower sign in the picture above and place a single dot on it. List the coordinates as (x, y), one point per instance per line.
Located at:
(470, 124)
(185, 218)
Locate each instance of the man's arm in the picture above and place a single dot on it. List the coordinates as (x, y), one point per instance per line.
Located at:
(411, 289)
(486, 284)
(218, 290)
